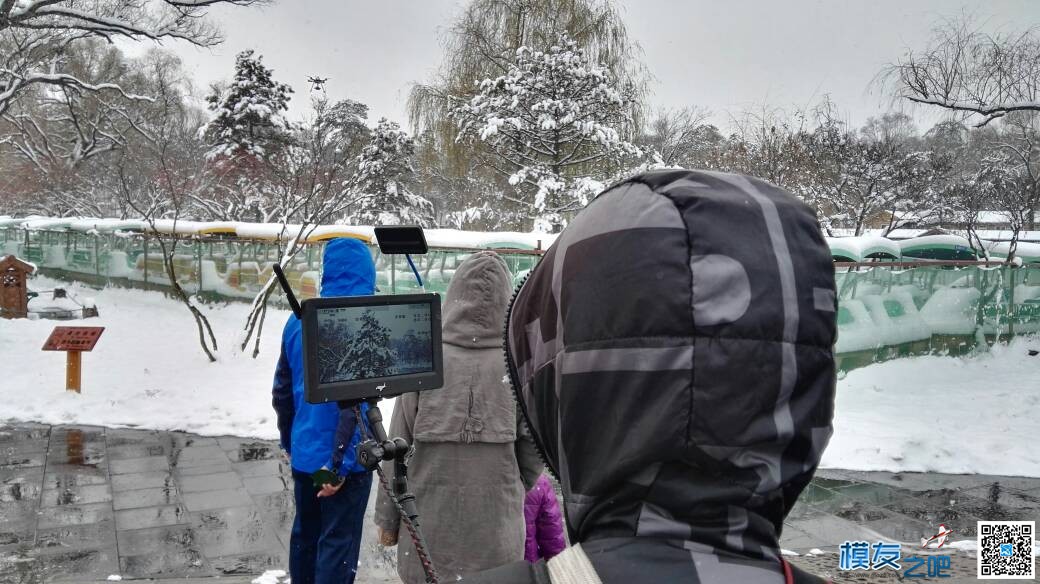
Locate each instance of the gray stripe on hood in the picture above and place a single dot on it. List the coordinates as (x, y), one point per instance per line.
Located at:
(627, 359)
(772, 476)
(657, 522)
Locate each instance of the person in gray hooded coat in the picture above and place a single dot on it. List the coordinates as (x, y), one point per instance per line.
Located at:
(472, 462)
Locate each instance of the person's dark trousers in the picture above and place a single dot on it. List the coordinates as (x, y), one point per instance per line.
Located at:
(326, 536)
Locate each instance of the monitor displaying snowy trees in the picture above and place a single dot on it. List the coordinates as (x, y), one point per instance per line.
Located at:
(371, 346)
(361, 342)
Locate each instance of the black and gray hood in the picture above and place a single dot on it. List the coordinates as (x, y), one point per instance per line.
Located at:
(672, 354)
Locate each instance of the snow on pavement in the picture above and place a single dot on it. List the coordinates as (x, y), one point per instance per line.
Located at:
(940, 414)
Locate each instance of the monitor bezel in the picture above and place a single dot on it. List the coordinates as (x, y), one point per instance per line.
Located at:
(316, 392)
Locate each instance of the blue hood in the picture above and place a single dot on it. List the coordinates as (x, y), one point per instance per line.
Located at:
(347, 269)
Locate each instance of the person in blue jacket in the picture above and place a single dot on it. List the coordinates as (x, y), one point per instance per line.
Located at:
(326, 535)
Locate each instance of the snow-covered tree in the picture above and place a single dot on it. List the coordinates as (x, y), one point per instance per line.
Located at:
(370, 354)
(35, 33)
(984, 76)
(158, 177)
(384, 170)
(681, 137)
(770, 144)
(306, 184)
(556, 124)
(859, 178)
(249, 114)
(1010, 170)
(482, 42)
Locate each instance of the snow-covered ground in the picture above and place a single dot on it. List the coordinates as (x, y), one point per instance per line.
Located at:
(942, 414)
(147, 369)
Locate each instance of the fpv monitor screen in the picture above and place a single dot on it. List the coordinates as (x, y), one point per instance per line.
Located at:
(364, 347)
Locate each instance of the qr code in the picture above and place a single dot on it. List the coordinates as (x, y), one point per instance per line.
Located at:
(1006, 550)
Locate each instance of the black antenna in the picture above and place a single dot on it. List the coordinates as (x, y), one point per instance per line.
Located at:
(293, 303)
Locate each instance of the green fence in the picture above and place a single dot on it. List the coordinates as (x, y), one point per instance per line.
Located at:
(885, 310)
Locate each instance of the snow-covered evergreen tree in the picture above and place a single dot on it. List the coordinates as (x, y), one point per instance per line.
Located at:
(370, 353)
(556, 124)
(250, 116)
(384, 168)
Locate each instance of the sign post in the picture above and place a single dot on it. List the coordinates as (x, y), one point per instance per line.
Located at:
(73, 340)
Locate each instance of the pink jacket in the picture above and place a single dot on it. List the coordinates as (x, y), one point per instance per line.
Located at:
(544, 523)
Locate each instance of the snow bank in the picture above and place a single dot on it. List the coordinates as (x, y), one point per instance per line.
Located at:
(951, 311)
(941, 414)
(856, 328)
(147, 370)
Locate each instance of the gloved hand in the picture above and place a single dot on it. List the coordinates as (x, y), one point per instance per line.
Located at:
(328, 489)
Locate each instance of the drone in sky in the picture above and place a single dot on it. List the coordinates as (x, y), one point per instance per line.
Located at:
(317, 83)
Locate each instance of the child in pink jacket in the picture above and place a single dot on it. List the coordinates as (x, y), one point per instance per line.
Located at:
(544, 523)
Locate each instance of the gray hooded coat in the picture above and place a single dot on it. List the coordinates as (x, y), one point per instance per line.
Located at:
(472, 464)
(672, 353)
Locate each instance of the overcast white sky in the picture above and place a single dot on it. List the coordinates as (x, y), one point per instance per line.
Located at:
(722, 55)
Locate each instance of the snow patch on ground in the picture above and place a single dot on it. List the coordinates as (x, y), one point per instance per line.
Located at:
(972, 415)
(147, 369)
(271, 577)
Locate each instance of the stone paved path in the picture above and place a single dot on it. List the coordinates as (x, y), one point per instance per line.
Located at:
(78, 504)
(82, 503)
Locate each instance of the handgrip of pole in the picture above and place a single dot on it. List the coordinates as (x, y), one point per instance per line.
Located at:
(293, 303)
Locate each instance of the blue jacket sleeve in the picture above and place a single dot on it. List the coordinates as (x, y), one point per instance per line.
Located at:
(344, 440)
(348, 435)
(282, 400)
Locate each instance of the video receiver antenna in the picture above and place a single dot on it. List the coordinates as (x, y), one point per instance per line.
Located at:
(294, 304)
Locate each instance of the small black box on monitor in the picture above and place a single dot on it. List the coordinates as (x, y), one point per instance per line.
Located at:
(361, 347)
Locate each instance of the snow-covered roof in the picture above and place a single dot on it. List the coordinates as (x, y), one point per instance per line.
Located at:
(1006, 234)
(323, 232)
(1029, 252)
(905, 233)
(273, 231)
(90, 224)
(3, 258)
(178, 226)
(991, 217)
(46, 223)
(488, 239)
(990, 234)
(863, 247)
(215, 227)
(936, 246)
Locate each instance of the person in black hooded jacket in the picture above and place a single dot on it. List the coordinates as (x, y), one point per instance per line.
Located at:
(672, 354)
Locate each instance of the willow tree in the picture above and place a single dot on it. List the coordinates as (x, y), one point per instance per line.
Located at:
(483, 43)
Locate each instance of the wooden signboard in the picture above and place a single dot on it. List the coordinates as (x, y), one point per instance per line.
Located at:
(73, 340)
